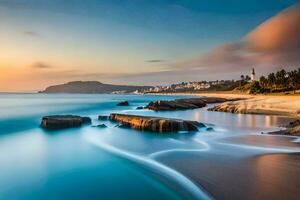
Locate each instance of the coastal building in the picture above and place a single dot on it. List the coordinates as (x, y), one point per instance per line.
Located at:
(253, 76)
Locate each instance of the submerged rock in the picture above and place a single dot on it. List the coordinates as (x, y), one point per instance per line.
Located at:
(122, 125)
(183, 104)
(102, 117)
(63, 121)
(100, 126)
(140, 108)
(155, 124)
(209, 129)
(123, 103)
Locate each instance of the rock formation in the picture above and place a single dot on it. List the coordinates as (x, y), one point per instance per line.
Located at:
(184, 104)
(155, 124)
(63, 121)
(292, 128)
(123, 103)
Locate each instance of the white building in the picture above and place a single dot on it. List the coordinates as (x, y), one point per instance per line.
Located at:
(253, 76)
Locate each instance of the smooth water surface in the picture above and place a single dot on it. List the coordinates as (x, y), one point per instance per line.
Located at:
(116, 163)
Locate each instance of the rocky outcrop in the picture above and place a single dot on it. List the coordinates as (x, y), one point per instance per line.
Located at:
(184, 104)
(63, 121)
(155, 124)
(123, 103)
(292, 128)
(229, 107)
(100, 126)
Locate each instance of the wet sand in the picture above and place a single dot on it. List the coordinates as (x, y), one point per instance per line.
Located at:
(264, 141)
(271, 176)
(243, 167)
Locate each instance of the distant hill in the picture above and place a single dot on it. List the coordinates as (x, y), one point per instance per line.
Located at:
(91, 87)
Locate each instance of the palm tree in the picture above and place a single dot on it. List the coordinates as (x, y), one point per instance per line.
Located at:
(271, 80)
(263, 81)
(242, 80)
(281, 79)
(294, 80)
(242, 77)
(247, 78)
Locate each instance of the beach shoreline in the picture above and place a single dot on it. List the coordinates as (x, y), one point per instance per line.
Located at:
(285, 105)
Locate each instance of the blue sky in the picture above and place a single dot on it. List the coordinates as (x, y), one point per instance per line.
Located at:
(115, 40)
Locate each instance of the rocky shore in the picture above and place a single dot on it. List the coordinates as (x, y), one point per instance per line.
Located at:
(250, 105)
(292, 129)
(155, 124)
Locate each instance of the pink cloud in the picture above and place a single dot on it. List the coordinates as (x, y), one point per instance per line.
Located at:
(275, 43)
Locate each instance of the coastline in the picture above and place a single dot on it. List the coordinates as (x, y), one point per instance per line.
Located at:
(285, 105)
(208, 159)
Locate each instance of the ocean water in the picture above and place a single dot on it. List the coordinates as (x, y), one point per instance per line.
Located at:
(117, 163)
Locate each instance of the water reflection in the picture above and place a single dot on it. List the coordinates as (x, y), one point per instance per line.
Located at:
(276, 173)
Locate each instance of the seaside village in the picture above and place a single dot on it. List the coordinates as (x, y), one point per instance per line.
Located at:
(202, 85)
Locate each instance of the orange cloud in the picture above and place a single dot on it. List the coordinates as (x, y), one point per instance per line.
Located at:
(275, 43)
(280, 34)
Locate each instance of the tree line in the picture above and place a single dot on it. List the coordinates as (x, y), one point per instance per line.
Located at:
(280, 81)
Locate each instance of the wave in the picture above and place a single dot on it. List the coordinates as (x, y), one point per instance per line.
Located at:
(206, 147)
(167, 175)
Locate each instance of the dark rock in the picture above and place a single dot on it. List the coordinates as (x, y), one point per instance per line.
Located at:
(293, 124)
(210, 129)
(86, 120)
(155, 124)
(123, 103)
(100, 126)
(179, 104)
(122, 126)
(63, 121)
(293, 129)
(140, 108)
(183, 104)
(102, 117)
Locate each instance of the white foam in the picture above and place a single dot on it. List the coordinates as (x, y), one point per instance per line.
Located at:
(271, 149)
(160, 153)
(150, 164)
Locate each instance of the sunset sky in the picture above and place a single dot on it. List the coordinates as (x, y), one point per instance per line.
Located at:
(143, 42)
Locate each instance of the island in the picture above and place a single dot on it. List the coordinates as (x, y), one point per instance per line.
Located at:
(92, 87)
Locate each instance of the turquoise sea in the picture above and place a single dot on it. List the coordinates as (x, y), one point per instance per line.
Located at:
(117, 163)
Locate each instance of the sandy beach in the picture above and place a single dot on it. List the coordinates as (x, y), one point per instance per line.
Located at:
(270, 105)
(287, 105)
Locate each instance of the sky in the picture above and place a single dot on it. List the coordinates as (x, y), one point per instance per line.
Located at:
(143, 42)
